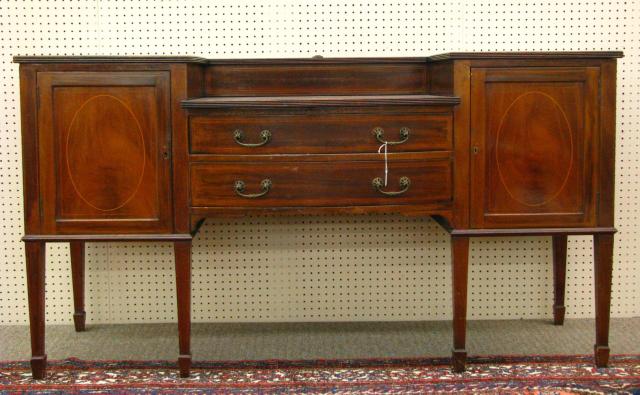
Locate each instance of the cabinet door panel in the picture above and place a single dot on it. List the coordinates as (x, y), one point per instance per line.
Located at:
(534, 135)
(103, 137)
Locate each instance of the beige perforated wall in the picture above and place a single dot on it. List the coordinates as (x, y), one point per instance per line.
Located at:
(380, 267)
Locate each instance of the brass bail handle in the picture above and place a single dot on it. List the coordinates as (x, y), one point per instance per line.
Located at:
(404, 182)
(239, 187)
(265, 136)
(378, 132)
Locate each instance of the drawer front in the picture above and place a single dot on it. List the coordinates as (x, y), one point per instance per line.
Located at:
(318, 133)
(319, 184)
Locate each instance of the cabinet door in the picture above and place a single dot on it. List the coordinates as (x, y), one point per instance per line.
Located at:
(103, 152)
(534, 134)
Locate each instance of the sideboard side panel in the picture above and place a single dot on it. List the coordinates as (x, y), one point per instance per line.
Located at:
(606, 200)
(31, 184)
(461, 137)
(186, 82)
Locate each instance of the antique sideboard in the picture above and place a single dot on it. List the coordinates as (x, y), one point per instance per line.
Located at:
(488, 144)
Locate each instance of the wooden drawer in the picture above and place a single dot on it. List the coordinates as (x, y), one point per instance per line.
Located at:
(318, 133)
(319, 183)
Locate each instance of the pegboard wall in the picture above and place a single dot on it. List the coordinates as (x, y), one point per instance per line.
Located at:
(379, 267)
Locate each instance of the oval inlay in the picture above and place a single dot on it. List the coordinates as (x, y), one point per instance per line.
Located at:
(534, 149)
(105, 153)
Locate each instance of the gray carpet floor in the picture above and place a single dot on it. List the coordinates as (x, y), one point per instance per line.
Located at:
(320, 340)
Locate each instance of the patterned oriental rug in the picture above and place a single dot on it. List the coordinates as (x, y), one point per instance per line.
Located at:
(503, 375)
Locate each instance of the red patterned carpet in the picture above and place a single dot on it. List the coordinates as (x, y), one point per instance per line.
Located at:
(503, 375)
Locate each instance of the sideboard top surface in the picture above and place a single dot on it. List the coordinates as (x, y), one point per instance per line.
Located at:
(318, 59)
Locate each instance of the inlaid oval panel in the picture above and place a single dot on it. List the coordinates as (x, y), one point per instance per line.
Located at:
(105, 153)
(534, 149)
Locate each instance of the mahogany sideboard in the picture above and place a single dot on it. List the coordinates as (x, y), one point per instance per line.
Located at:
(488, 144)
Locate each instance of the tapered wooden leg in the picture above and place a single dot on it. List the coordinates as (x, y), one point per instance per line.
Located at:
(603, 268)
(35, 255)
(77, 276)
(183, 288)
(559, 277)
(460, 267)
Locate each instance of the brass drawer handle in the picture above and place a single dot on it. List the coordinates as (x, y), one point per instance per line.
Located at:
(405, 183)
(239, 187)
(265, 135)
(379, 133)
